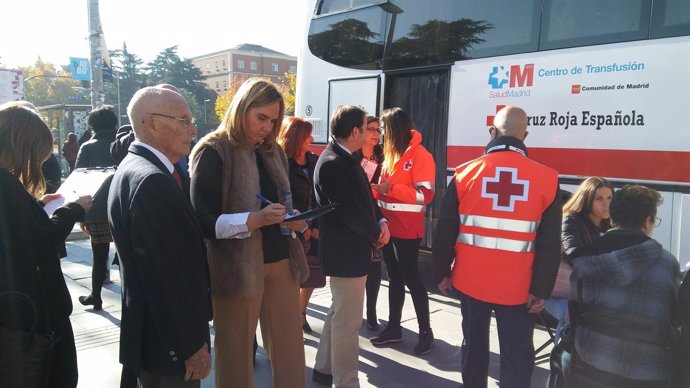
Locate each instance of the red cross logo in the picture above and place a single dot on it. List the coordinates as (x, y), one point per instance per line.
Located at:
(408, 165)
(490, 119)
(505, 188)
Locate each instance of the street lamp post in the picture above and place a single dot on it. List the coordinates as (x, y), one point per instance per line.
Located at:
(205, 101)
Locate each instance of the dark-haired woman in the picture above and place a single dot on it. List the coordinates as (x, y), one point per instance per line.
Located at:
(405, 188)
(96, 153)
(372, 162)
(295, 138)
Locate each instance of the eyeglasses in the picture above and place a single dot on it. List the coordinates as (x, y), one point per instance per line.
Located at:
(186, 121)
(658, 222)
(374, 130)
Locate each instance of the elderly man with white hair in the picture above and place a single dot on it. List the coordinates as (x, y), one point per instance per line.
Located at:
(164, 336)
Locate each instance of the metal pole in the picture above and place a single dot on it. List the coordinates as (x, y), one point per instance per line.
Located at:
(119, 115)
(96, 56)
(205, 101)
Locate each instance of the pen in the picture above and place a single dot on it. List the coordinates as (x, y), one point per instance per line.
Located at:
(264, 199)
(268, 202)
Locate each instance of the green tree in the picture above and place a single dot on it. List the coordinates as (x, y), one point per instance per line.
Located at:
(129, 72)
(49, 84)
(169, 68)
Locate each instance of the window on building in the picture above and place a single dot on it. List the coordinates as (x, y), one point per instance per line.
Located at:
(216, 65)
(274, 67)
(240, 64)
(293, 69)
(217, 85)
(224, 67)
(252, 65)
(225, 85)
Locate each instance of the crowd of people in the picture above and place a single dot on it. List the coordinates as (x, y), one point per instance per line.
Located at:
(204, 232)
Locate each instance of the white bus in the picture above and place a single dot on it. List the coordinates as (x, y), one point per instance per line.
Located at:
(606, 84)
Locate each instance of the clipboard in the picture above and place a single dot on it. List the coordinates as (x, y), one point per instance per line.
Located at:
(311, 214)
(82, 181)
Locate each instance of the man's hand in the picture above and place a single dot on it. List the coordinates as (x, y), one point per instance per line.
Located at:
(382, 187)
(534, 304)
(384, 236)
(445, 285)
(198, 365)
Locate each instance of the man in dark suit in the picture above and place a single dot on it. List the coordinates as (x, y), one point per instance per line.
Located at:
(164, 336)
(347, 236)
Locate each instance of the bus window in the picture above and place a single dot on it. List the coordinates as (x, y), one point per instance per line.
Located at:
(670, 18)
(330, 6)
(588, 22)
(444, 31)
(352, 39)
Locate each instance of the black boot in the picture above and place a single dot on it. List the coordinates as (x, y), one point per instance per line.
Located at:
(91, 300)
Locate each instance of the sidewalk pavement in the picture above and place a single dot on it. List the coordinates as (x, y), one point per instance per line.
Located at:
(97, 336)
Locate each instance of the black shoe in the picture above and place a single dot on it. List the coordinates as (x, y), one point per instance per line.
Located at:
(425, 343)
(389, 335)
(322, 378)
(305, 326)
(372, 324)
(91, 301)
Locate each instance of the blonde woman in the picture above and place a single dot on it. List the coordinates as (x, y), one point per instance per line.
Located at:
(255, 269)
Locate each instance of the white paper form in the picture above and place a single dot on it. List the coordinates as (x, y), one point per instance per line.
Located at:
(80, 182)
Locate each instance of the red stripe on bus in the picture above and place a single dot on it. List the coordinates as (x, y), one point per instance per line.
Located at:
(668, 166)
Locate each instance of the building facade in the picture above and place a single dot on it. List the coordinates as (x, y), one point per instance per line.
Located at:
(246, 60)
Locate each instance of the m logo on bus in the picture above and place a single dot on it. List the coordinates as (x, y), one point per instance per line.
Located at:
(516, 76)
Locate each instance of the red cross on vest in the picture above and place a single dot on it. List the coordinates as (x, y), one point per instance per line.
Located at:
(408, 165)
(505, 188)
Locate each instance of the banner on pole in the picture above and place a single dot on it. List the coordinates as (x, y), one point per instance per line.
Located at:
(79, 67)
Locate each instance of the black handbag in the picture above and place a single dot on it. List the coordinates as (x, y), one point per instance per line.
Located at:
(24, 356)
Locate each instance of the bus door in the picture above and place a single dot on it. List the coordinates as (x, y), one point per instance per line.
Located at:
(424, 95)
(363, 92)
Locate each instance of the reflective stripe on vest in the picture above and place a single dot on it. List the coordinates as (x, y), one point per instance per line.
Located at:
(504, 244)
(499, 223)
(426, 185)
(401, 207)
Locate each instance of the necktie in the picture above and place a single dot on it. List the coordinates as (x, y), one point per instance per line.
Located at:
(177, 177)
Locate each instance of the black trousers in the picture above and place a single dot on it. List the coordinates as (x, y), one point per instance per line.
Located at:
(100, 267)
(63, 369)
(515, 335)
(401, 256)
(372, 288)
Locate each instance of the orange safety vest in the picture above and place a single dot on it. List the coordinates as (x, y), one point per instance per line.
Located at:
(412, 187)
(501, 197)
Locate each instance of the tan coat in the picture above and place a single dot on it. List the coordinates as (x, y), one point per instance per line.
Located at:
(236, 265)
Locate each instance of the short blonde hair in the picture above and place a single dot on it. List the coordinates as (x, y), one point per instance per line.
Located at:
(25, 143)
(254, 92)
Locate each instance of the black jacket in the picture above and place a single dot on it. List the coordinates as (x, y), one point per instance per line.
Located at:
(30, 239)
(96, 152)
(578, 231)
(347, 233)
(166, 289)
